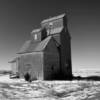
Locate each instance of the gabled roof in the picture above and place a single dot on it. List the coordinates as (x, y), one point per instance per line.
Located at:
(36, 30)
(41, 46)
(30, 46)
(14, 60)
(53, 18)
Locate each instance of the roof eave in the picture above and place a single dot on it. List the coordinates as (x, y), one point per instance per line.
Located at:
(53, 18)
(29, 52)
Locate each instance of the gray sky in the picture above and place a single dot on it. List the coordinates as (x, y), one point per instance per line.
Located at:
(19, 17)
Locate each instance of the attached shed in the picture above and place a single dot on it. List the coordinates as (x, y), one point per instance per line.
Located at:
(42, 61)
(14, 65)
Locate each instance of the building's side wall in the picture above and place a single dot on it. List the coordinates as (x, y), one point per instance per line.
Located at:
(14, 67)
(66, 55)
(55, 24)
(51, 62)
(31, 63)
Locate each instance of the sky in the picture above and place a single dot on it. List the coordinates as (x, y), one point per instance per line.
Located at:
(19, 17)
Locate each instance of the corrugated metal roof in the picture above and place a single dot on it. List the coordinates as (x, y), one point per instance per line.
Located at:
(53, 18)
(30, 46)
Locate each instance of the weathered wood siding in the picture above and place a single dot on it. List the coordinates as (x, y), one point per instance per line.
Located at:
(51, 61)
(66, 55)
(14, 67)
(31, 63)
(64, 44)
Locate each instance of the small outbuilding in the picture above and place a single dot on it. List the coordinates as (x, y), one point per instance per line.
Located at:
(14, 65)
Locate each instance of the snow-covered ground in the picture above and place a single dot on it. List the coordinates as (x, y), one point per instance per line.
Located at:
(6, 79)
(86, 72)
(18, 89)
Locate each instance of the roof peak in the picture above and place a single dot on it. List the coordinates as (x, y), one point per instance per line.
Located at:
(36, 30)
(13, 60)
(54, 18)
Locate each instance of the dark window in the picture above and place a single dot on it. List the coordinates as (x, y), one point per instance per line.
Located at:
(52, 68)
(44, 34)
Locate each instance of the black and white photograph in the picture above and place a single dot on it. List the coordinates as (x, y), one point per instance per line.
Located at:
(49, 50)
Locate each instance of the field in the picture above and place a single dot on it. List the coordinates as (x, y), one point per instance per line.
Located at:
(18, 89)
